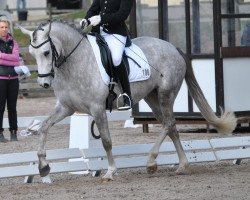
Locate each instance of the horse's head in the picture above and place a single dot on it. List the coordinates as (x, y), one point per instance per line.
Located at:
(45, 52)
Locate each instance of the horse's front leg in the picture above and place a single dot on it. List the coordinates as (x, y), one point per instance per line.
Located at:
(102, 125)
(58, 114)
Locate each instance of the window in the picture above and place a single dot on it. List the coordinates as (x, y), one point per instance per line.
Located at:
(147, 18)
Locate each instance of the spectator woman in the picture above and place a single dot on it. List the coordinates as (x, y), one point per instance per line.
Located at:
(9, 83)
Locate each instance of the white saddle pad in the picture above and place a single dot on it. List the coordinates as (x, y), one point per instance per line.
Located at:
(137, 73)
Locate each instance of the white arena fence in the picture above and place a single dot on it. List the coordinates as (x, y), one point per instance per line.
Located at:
(83, 156)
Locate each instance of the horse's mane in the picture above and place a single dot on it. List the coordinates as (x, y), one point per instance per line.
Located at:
(59, 21)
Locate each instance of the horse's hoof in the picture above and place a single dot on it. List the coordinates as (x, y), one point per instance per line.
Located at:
(105, 180)
(182, 171)
(151, 168)
(44, 171)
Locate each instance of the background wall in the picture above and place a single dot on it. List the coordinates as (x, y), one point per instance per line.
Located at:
(29, 4)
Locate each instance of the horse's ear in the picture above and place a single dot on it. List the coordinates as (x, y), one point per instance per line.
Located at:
(47, 30)
(26, 31)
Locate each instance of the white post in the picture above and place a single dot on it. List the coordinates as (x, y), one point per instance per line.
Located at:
(80, 125)
(80, 131)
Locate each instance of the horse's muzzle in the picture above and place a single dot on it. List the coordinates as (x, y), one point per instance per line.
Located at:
(44, 82)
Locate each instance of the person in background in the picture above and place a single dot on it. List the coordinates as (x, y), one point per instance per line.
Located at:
(21, 4)
(9, 83)
(108, 18)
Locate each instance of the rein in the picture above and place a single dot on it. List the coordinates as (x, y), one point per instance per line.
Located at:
(58, 60)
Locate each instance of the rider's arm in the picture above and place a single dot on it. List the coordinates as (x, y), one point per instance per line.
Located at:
(94, 9)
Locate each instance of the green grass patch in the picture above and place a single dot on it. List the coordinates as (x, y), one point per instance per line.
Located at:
(71, 16)
(22, 39)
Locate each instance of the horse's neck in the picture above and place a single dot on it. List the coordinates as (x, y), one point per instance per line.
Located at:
(70, 41)
(76, 51)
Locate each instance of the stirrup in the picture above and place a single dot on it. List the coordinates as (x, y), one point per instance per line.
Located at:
(124, 107)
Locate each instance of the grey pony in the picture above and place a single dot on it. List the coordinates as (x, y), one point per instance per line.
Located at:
(78, 86)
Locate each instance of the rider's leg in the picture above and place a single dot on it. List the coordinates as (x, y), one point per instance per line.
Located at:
(122, 75)
(116, 45)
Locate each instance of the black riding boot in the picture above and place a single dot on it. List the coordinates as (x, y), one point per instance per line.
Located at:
(2, 138)
(122, 75)
(13, 135)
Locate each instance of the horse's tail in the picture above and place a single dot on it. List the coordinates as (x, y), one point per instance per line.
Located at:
(223, 124)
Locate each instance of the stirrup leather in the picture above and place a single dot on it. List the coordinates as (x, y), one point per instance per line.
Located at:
(123, 107)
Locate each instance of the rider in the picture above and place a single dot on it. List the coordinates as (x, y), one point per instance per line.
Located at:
(108, 18)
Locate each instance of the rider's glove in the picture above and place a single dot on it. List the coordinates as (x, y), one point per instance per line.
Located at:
(95, 20)
(84, 23)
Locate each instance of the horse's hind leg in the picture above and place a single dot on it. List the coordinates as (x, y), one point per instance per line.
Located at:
(166, 101)
(164, 113)
(58, 114)
(152, 101)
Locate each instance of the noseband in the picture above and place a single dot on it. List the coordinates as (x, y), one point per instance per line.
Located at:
(58, 60)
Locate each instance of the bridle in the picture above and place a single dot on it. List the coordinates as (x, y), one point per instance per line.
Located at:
(56, 58)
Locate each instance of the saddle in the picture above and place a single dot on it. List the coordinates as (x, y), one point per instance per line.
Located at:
(106, 59)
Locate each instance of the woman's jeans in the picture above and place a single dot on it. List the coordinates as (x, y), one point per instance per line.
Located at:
(8, 94)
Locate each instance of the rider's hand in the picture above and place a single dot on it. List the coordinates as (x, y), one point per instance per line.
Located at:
(95, 20)
(84, 23)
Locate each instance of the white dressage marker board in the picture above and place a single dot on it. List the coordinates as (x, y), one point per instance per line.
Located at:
(126, 156)
(26, 164)
(212, 150)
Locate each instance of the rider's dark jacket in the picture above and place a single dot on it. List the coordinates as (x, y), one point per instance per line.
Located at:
(113, 15)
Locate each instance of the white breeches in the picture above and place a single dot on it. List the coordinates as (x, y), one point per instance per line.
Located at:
(116, 45)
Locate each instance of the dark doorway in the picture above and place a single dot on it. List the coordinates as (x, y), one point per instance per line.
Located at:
(65, 4)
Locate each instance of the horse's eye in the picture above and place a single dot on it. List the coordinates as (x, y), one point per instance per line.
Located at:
(46, 53)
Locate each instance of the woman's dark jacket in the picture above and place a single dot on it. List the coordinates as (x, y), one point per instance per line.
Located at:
(7, 47)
